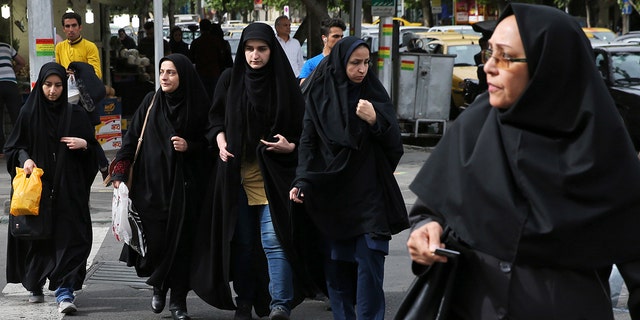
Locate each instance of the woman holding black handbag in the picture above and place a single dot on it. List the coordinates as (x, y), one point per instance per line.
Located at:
(538, 181)
(57, 137)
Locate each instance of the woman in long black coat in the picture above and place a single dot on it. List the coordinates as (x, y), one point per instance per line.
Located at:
(349, 149)
(537, 180)
(171, 169)
(256, 119)
(46, 126)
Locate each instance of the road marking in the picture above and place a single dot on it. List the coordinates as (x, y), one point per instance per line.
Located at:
(14, 304)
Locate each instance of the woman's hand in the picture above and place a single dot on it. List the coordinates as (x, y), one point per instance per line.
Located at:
(296, 195)
(179, 144)
(74, 143)
(28, 166)
(423, 242)
(280, 146)
(366, 112)
(221, 140)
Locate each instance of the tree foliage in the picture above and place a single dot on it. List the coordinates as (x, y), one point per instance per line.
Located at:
(231, 5)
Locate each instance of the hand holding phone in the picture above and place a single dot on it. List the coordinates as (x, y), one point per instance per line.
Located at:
(446, 252)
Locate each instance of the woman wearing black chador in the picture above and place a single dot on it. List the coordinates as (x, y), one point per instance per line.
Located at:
(170, 171)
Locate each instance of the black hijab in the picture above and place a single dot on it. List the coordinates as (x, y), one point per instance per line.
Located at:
(554, 179)
(331, 97)
(187, 100)
(182, 112)
(330, 162)
(260, 101)
(43, 114)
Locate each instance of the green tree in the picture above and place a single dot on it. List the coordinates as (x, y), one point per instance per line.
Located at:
(231, 6)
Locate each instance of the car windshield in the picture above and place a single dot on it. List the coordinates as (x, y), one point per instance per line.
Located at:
(626, 67)
(604, 36)
(464, 54)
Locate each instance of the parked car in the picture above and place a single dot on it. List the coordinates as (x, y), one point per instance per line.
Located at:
(401, 21)
(599, 36)
(464, 29)
(629, 37)
(619, 66)
(464, 65)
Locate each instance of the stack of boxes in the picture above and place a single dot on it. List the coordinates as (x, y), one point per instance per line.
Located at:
(109, 131)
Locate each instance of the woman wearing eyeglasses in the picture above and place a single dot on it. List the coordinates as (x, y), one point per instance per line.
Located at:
(537, 183)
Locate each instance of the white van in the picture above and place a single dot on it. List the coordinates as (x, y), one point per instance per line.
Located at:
(463, 29)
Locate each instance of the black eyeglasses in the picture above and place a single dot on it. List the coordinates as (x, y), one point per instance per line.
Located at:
(502, 62)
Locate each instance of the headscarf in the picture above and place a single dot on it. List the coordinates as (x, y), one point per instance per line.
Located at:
(332, 95)
(39, 112)
(186, 100)
(182, 113)
(344, 144)
(262, 97)
(88, 84)
(554, 179)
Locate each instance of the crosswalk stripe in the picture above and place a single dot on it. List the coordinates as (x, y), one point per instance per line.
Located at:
(14, 305)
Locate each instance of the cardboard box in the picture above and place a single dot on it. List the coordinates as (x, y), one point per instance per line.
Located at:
(110, 106)
(109, 131)
(111, 141)
(109, 124)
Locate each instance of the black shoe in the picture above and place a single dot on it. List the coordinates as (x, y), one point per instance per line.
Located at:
(243, 312)
(158, 300)
(180, 314)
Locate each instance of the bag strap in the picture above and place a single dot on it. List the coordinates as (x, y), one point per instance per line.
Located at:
(107, 180)
(144, 126)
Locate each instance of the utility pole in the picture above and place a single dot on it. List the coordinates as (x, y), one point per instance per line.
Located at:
(41, 36)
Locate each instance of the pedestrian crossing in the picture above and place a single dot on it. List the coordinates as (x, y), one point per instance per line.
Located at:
(14, 303)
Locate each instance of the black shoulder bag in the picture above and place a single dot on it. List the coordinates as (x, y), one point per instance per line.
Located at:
(428, 297)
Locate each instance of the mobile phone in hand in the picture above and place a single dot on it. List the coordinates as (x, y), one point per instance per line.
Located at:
(447, 253)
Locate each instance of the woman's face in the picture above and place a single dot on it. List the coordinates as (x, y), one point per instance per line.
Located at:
(169, 78)
(257, 53)
(52, 87)
(507, 80)
(358, 64)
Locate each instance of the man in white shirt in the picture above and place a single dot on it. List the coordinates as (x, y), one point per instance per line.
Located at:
(290, 45)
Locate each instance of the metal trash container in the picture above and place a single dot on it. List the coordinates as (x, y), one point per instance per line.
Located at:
(424, 92)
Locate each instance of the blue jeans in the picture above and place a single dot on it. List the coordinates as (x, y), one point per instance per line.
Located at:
(280, 275)
(354, 271)
(63, 293)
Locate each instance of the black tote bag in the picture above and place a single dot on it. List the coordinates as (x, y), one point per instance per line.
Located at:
(429, 296)
(28, 227)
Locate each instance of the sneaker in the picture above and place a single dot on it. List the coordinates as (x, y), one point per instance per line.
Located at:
(279, 313)
(36, 297)
(66, 306)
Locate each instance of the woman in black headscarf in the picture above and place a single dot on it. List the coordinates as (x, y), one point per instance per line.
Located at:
(46, 127)
(256, 119)
(171, 168)
(348, 151)
(538, 180)
(176, 42)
